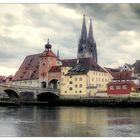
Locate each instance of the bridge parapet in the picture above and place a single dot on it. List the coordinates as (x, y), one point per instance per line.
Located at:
(35, 90)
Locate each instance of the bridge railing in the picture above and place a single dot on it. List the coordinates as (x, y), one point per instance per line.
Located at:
(27, 87)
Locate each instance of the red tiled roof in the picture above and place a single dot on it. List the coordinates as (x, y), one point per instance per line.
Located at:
(55, 69)
(111, 70)
(121, 83)
(28, 69)
(120, 75)
(48, 54)
(69, 62)
(123, 75)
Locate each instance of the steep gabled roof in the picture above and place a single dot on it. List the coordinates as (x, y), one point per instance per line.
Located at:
(29, 68)
(122, 75)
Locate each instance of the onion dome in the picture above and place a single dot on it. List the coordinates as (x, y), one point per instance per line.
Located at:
(48, 46)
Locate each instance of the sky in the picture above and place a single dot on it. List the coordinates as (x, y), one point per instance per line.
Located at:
(25, 28)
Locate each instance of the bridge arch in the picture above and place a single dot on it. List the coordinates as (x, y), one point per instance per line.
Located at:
(43, 84)
(11, 93)
(54, 84)
(46, 96)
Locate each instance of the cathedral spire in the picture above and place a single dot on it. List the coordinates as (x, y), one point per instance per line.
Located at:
(84, 29)
(83, 39)
(90, 35)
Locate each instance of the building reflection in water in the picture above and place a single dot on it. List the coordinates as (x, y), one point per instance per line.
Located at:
(69, 121)
(81, 121)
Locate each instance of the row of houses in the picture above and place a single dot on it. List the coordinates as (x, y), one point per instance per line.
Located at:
(78, 77)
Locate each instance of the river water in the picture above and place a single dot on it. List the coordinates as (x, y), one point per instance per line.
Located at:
(33, 121)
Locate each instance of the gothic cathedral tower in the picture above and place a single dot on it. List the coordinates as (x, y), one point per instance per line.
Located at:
(87, 44)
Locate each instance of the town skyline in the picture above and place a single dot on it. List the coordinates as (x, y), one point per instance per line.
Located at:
(25, 29)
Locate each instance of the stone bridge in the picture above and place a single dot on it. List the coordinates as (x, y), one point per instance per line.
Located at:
(29, 93)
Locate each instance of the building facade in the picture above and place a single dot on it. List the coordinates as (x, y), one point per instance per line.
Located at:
(39, 70)
(85, 78)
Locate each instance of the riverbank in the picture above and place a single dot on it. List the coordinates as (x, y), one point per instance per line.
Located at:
(104, 101)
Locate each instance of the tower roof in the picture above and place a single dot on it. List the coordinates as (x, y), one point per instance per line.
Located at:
(48, 46)
(90, 35)
(84, 29)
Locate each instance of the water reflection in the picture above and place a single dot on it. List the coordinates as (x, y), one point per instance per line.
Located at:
(69, 121)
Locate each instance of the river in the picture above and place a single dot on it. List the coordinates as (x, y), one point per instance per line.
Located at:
(35, 121)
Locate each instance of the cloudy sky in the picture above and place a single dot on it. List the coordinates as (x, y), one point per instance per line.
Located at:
(25, 28)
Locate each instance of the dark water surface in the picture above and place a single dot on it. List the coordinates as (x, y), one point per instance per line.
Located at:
(69, 121)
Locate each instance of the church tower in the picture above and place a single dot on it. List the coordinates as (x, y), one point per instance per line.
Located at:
(46, 61)
(87, 45)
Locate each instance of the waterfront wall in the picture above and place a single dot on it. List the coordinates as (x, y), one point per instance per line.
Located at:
(110, 102)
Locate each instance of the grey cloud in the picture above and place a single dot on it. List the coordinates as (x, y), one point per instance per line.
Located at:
(136, 9)
(10, 20)
(117, 16)
(109, 22)
(49, 19)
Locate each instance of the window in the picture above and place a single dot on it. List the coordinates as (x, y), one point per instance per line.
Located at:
(118, 87)
(75, 86)
(65, 91)
(92, 79)
(75, 79)
(70, 88)
(63, 73)
(80, 85)
(43, 64)
(75, 91)
(124, 86)
(70, 76)
(80, 79)
(70, 82)
(111, 87)
(80, 91)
